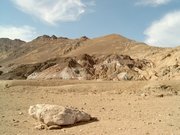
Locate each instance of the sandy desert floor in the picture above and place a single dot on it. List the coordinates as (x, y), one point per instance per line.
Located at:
(122, 108)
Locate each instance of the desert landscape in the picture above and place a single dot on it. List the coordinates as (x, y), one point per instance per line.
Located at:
(131, 88)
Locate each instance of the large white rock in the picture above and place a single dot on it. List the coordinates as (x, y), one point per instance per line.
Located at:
(57, 115)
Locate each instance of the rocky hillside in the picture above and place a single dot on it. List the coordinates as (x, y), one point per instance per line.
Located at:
(111, 57)
(7, 46)
(86, 67)
(43, 48)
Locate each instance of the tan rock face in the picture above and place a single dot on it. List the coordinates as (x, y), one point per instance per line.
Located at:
(57, 115)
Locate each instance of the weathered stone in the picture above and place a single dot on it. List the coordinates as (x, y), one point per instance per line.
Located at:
(57, 115)
(124, 76)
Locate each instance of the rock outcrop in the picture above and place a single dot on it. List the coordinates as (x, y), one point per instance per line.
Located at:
(104, 67)
(87, 67)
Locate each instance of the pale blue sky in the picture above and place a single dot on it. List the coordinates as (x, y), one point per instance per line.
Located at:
(155, 22)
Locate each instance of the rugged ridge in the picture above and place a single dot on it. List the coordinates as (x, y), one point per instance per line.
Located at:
(7, 46)
(111, 57)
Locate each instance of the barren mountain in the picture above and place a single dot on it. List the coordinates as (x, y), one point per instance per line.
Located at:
(7, 46)
(43, 48)
(111, 57)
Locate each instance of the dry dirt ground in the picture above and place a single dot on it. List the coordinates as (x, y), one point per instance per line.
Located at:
(122, 108)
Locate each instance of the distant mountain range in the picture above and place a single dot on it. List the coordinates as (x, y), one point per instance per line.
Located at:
(110, 57)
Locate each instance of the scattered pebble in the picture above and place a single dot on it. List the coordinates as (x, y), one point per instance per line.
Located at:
(20, 113)
(143, 95)
(15, 121)
(161, 95)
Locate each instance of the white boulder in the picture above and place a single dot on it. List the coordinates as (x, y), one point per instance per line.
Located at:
(57, 115)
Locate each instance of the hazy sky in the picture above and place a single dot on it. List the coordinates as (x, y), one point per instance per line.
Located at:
(155, 22)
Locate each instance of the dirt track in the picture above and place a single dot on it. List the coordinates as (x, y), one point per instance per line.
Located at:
(123, 108)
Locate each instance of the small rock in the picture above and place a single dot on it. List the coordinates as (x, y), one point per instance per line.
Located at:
(161, 95)
(40, 127)
(54, 127)
(15, 121)
(20, 113)
(149, 123)
(7, 86)
(63, 130)
(143, 95)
